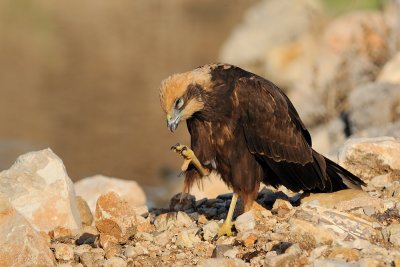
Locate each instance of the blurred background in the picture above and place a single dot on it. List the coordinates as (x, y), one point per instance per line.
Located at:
(82, 77)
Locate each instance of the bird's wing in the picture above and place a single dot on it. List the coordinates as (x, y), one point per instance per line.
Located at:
(276, 136)
(271, 124)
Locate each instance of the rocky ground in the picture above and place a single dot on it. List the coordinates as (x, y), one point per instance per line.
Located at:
(44, 223)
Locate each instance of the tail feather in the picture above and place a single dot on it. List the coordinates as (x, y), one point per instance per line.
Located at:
(342, 178)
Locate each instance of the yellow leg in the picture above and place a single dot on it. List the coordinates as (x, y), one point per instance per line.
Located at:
(226, 227)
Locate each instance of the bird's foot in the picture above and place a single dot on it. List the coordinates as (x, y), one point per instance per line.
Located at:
(188, 158)
(225, 229)
(186, 153)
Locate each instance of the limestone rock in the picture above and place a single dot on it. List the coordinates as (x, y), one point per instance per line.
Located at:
(222, 262)
(345, 200)
(115, 262)
(91, 188)
(38, 186)
(63, 251)
(187, 238)
(339, 224)
(370, 157)
(308, 235)
(245, 222)
(115, 217)
(210, 230)
(20, 244)
(375, 105)
(84, 211)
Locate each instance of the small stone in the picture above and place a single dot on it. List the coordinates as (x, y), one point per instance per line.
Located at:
(79, 250)
(90, 258)
(294, 250)
(394, 234)
(220, 250)
(144, 236)
(130, 252)
(309, 235)
(202, 219)
(84, 211)
(245, 222)
(173, 220)
(141, 250)
(248, 238)
(281, 207)
(332, 263)
(346, 254)
(281, 260)
(369, 210)
(60, 233)
(187, 238)
(369, 262)
(63, 252)
(115, 262)
(231, 253)
(222, 262)
(163, 238)
(180, 256)
(115, 217)
(210, 230)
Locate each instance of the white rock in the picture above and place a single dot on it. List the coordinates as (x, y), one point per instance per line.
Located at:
(187, 238)
(115, 262)
(63, 251)
(370, 157)
(38, 186)
(222, 262)
(245, 222)
(210, 230)
(20, 244)
(91, 188)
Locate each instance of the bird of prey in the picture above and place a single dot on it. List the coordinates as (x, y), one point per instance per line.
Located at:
(246, 129)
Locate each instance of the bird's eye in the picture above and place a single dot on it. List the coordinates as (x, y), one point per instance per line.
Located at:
(179, 103)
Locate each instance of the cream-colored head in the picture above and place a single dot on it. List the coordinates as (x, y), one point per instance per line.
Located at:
(181, 96)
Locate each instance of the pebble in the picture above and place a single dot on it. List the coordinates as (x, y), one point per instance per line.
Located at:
(115, 262)
(63, 251)
(245, 222)
(210, 230)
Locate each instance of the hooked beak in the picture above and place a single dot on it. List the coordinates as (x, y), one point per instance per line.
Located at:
(172, 122)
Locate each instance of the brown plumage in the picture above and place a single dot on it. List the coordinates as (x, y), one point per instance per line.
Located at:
(245, 128)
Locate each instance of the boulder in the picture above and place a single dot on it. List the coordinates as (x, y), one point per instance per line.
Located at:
(370, 157)
(38, 186)
(91, 188)
(20, 243)
(375, 105)
(115, 217)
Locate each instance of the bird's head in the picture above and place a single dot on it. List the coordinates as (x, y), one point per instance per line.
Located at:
(182, 95)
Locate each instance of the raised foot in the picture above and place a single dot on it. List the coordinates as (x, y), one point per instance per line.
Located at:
(186, 153)
(225, 229)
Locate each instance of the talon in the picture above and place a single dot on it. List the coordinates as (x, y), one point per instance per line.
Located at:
(225, 229)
